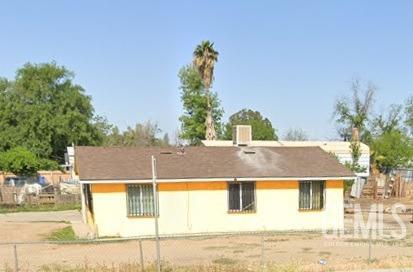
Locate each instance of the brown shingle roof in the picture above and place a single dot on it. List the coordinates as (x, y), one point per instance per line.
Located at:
(132, 163)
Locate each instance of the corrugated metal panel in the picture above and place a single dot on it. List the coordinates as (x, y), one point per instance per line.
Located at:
(357, 188)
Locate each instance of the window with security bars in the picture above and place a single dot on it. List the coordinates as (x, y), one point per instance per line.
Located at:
(312, 195)
(140, 200)
(241, 196)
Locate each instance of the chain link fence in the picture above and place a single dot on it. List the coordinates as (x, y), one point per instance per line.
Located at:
(264, 251)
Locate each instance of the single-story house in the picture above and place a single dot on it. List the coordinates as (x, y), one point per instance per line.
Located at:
(210, 189)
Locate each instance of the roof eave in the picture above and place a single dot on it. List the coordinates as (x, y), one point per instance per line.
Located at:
(167, 180)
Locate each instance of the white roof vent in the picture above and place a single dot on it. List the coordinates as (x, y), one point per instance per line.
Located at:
(242, 135)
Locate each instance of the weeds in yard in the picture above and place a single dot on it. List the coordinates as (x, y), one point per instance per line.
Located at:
(248, 245)
(215, 247)
(39, 208)
(224, 261)
(63, 234)
(7, 268)
(276, 240)
(87, 268)
(234, 246)
(384, 242)
(227, 266)
(230, 265)
(324, 253)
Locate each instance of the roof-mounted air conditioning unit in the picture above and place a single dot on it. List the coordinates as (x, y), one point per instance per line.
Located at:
(242, 135)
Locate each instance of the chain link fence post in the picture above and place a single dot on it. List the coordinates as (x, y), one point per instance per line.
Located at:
(262, 251)
(370, 260)
(16, 260)
(141, 255)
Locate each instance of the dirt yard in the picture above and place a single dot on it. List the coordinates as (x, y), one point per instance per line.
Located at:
(254, 251)
(302, 250)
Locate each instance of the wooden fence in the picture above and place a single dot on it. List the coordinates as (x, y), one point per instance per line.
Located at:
(394, 185)
(51, 177)
(10, 196)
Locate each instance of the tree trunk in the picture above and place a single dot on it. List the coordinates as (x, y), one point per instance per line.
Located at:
(210, 133)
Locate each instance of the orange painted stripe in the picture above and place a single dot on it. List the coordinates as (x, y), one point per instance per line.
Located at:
(334, 184)
(192, 186)
(220, 185)
(287, 184)
(108, 188)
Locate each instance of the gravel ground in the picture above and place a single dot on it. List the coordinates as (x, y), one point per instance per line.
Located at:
(56, 216)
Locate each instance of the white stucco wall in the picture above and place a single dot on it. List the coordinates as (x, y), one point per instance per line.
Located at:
(201, 211)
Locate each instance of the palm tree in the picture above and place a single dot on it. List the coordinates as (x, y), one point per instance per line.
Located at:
(205, 58)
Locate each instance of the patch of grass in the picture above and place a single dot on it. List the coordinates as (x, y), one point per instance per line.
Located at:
(63, 234)
(7, 268)
(276, 240)
(306, 249)
(285, 268)
(215, 247)
(373, 260)
(166, 267)
(224, 261)
(238, 251)
(39, 208)
(324, 253)
(375, 242)
(248, 245)
(230, 265)
(89, 268)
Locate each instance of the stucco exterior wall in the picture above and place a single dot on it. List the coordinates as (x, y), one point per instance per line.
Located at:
(193, 208)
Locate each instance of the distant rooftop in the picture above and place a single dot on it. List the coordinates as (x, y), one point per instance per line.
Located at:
(329, 146)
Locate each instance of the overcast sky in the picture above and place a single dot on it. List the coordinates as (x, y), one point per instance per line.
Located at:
(290, 60)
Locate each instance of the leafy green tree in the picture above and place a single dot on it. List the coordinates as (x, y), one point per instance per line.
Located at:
(4, 84)
(21, 161)
(166, 140)
(102, 128)
(409, 114)
(262, 128)
(113, 138)
(44, 111)
(387, 122)
(205, 58)
(355, 111)
(46, 164)
(195, 105)
(385, 133)
(392, 149)
(354, 165)
(295, 134)
(145, 134)
(142, 135)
